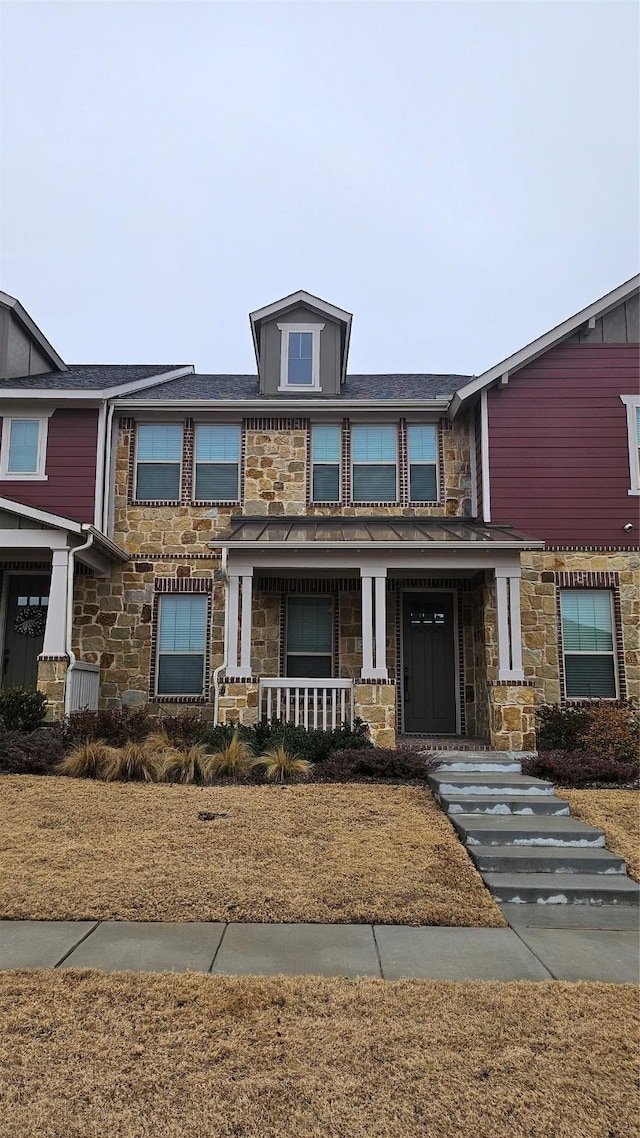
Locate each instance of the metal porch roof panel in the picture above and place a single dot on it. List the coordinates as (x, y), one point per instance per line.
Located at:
(372, 531)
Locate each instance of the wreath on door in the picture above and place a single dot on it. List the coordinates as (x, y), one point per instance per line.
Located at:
(30, 620)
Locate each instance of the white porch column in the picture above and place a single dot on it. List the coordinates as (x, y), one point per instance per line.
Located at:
(374, 622)
(509, 624)
(233, 591)
(240, 611)
(245, 626)
(55, 632)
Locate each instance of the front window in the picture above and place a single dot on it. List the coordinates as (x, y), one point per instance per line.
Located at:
(23, 448)
(422, 445)
(632, 403)
(310, 637)
(158, 462)
(182, 637)
(587, 642)
(300, 357)
(375, 464)
(217, 463)
(325, 464)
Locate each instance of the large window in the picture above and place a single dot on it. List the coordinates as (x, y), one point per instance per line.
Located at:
(24, 444)
(374, 454)
(182, 636)
(632, 403)
(422, 446)
(325, 463)
(310, 637)
(300, 357)
(587, 642)
(217, 451)
(158, 462)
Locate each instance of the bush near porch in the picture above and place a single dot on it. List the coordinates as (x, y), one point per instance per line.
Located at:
(589, 745)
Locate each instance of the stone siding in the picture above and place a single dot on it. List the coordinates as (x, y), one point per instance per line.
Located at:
(512, 709)
(376, 704)
(51, 682)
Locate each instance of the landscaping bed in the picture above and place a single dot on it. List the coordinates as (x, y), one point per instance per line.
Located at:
(617, 812)
(79, 848)
(134, 1056)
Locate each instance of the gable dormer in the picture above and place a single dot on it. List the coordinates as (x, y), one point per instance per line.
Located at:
(301, 345)
(23, 348)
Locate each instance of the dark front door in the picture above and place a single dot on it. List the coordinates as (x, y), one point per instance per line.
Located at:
(429, 664)
(27, 601)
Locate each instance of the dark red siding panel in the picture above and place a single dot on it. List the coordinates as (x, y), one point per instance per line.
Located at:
(477, 458)
(71, 468)
(558, 446)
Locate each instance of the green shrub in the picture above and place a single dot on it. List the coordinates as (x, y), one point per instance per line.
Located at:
(560, 728)
(401, 764)
(35, 752)
(612, 732)
(314, 744)
(22, 709)
(578, 768)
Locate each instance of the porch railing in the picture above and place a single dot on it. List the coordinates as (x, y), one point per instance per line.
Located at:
(84, 686)
(309, 703)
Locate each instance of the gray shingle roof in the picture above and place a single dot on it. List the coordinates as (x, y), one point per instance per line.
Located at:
(356, 387)
(89, 377)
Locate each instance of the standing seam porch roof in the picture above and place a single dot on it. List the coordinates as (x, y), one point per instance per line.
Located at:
(373, 531)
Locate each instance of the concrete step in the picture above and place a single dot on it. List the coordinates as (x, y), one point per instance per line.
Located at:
(545, 859)
(521, 804)
(452, 782)
(523, 830)
(563, 888)
(477, 761)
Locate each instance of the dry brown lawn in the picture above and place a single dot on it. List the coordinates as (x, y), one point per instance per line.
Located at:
(617, 812)
(74, 848)
(88, 1055)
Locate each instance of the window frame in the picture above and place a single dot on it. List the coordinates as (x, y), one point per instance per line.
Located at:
(286, 330)
(321, 655)
(324, 501)
(632, 404)
(157, 501)
(37, 475)
(367, 501)
(436, 463)
(612, 652)
(174, 697)
(238, 462)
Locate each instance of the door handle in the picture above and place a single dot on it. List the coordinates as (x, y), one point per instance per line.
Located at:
(406, 684)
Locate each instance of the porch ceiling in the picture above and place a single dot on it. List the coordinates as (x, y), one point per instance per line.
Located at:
(370, 532)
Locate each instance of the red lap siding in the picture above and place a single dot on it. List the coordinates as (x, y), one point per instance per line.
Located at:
(558, 447)
(71, 468)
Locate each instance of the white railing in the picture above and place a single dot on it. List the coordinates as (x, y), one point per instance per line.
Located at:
(308, 703)
(84, 686)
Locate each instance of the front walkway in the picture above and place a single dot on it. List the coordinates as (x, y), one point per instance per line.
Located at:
(577, 943)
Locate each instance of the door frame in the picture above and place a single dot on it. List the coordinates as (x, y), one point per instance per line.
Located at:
(453, 592)
(7, 575)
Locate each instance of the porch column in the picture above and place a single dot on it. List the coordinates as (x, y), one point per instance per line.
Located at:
(374, 622)
(509, 624)
(240, 603)
(55, 632)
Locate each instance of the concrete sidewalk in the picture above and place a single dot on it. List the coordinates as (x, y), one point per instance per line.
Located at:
(572, 944)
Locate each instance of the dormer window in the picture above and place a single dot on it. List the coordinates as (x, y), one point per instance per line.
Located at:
(300, 357)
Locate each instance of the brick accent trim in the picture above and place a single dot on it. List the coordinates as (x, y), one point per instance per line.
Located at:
(188, 469)
(183, 585)
(591, 548)
(275, 424)
(403, 463)
(31, 566)
(63, 656)
(324, 586)
(345, 474)
(511, 683)
(591, 579)
(144, 557)
(375, 683)
(162, 587)
(125, 423)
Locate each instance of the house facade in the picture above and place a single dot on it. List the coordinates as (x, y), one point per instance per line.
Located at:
(433, 553)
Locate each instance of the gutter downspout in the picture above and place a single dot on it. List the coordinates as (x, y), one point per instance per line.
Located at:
(106, 490)
(100, 466)
(225, 651)
(69, 621)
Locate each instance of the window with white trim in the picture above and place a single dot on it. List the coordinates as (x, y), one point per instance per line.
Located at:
(158, 462)
(309, 637)
(24, 448)
(422, 450)
(632, 404)
(300, 357)
(217, 463)
(326, 441)
(182, 637)
(374, 463)
(588, 643)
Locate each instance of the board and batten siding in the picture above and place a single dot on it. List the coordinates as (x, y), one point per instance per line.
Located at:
(70, 468)
(558, 447)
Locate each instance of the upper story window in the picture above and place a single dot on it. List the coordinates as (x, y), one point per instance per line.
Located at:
(158, 462)
(300, 357)
(422, 447)
(325, 463)
(24, 448)
(632, 403)
(587, 643)
(217, 458)
(374, 456)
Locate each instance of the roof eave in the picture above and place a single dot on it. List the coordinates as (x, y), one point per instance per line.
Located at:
(416, 546)
(280, 405)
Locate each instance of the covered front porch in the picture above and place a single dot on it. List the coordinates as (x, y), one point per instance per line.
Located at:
(411, 624)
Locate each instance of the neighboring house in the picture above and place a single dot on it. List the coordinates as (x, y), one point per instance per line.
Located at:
(434, 553)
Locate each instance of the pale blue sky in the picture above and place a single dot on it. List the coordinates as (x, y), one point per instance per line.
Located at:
(460, 176)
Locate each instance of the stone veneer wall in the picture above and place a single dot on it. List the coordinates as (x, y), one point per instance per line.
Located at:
(512, 710)
(51, 681)
(375, 702)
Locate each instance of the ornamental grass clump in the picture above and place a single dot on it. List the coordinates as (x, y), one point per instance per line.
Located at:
(233, 761)
(185, 766)
(88, 760)
(135, 762)
(278, 765)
